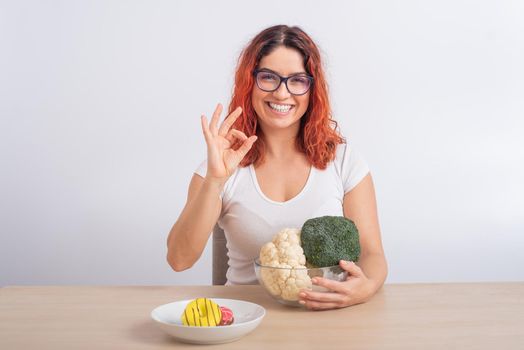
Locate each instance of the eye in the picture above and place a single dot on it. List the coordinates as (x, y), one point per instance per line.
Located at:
(267, 76)
(299, 79)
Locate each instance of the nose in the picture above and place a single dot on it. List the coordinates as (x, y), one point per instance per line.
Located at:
(281, 93)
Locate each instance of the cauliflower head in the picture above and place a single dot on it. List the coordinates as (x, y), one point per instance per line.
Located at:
(284, 251)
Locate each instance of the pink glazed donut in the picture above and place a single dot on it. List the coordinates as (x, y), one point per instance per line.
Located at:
(227, 316)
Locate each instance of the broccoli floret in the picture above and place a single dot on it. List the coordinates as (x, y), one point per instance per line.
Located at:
(328, 239)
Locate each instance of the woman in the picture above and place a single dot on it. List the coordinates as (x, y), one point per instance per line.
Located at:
(276, 161)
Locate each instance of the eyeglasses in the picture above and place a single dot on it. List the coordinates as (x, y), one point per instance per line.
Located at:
(269, 81)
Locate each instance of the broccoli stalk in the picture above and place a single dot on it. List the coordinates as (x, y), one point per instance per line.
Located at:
(328, 239)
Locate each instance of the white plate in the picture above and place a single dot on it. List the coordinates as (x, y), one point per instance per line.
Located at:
(247, 317)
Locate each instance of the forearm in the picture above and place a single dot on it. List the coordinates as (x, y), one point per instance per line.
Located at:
(190, 233)
(375, 268)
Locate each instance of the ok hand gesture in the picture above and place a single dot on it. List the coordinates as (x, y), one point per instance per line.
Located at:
(222, 159)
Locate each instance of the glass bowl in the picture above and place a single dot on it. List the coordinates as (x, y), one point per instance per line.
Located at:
(284, 284)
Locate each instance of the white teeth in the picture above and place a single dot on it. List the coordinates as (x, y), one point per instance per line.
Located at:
(280, 108)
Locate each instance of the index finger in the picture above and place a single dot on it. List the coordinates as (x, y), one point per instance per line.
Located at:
(228, 122)
(329, 284)
(325, 297)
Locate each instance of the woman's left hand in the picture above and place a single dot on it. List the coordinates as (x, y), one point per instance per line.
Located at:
(355, 290)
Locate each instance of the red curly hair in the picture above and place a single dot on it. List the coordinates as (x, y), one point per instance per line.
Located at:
(318, 136)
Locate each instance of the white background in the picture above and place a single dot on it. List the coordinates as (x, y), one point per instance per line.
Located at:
(100, 104)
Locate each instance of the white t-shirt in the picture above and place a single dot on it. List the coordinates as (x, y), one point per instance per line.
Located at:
(250, 219)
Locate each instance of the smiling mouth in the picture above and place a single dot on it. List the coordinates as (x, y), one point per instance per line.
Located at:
(280, 108)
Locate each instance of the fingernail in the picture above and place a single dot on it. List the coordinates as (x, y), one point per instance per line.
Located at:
(302, 302)
(302, 295)
(314, 280)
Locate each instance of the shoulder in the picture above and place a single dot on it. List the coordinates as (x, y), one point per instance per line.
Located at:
(342, 150)
(343, 155)
(350, 165)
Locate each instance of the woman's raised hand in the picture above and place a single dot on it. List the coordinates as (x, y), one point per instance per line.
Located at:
(222, 159)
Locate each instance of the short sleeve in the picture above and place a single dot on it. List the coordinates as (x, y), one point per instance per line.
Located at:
(202, 171)
(202, 168)
(352, 167)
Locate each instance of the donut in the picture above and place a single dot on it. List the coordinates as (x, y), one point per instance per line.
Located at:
(227, 316)
(202, 312)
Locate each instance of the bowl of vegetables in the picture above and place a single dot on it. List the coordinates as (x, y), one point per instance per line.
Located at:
(288, 263)
(284, 283)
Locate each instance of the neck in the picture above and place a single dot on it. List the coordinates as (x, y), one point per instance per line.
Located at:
(281, 144)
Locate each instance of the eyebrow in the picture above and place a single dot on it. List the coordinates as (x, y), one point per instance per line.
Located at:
(272, 71)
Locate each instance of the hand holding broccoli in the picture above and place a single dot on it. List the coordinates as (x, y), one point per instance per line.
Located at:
(331, 240)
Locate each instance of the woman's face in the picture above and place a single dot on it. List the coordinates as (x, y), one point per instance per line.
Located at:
(280, 109)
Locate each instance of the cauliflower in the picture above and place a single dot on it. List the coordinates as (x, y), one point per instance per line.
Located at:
(284, 251)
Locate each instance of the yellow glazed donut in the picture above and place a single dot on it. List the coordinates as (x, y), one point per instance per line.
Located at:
(202, 312)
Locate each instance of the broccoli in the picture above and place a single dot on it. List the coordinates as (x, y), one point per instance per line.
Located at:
(328, 239)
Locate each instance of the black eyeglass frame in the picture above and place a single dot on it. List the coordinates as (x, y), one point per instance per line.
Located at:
(283, 80)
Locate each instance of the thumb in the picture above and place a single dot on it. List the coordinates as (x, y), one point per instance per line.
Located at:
(351, 268)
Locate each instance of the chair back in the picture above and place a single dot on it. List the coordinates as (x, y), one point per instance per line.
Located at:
(220, 257)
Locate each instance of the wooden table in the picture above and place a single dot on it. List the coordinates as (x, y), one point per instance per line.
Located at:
(403, 316)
